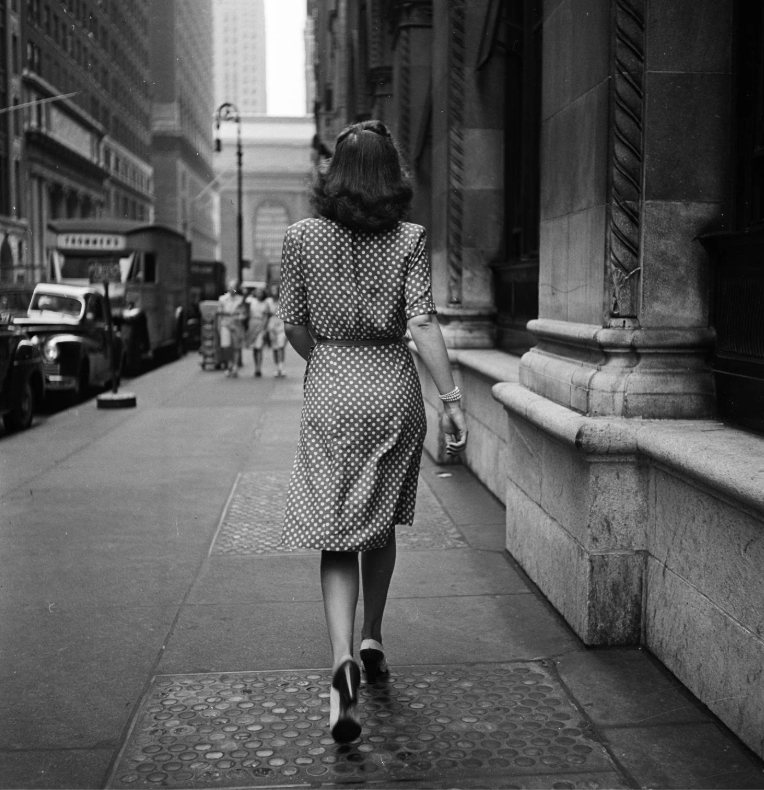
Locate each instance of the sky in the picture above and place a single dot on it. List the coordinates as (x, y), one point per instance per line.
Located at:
(285, 56)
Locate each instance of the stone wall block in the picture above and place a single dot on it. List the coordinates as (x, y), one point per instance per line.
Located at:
(549, 555)
(601, 503)
(598, 594)
(717, 658)
(687, 139)
(574, 145)
(615, 598)
(677, 270)
(525, 447)
(586, 267)
(689, 35)
(565, 490)
(486, 455)
(557, 43)
(554, 246)
(714, 546)
(588, 56)
(618, 504)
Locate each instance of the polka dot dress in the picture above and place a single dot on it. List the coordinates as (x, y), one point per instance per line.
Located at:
(363, 425)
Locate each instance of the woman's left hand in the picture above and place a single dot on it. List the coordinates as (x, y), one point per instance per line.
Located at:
(454, 426)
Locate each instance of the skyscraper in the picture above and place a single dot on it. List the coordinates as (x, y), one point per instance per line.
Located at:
(183, 108)
(240, 54)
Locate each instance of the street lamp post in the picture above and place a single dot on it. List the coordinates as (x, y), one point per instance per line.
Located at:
(230, 112)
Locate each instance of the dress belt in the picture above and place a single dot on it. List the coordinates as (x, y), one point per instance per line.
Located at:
(361, 341)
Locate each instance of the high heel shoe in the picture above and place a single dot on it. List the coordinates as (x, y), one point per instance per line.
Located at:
(343, 698)
(374, 661)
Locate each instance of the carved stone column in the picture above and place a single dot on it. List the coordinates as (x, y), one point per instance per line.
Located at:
(467, 176)
(610, 341)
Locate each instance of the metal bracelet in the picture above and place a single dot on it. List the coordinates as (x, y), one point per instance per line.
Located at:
(452, 396)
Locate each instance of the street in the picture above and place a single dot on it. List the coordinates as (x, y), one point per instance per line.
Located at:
(153, 634)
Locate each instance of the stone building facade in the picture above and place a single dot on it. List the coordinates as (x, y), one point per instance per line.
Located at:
(181, 45)
(590, 175)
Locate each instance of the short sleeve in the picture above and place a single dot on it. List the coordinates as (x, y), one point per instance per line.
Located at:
(418, 290)
(293, 299)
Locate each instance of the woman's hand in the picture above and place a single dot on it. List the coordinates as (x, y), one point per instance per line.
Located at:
(454, 426)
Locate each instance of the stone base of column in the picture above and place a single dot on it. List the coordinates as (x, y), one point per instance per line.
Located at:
(576, 513)
(465, 327)
(628, 372)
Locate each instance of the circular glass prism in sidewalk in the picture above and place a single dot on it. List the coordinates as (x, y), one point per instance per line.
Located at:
(507, 725)
(116, 400)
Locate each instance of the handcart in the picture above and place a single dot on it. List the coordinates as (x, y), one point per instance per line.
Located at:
(210, 336)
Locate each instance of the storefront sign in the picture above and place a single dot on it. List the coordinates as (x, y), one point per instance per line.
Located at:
(91, 241)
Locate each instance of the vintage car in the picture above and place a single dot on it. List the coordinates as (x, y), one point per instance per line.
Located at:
(22, 383)
(70, 324)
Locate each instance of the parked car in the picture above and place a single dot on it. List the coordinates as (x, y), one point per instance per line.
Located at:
(14, 301)
(70, 324)
(22, 382)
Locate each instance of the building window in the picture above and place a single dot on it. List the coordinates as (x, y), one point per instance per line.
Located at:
(515, 28)
(737, 310)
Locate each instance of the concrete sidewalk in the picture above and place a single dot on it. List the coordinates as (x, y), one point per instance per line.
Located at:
(153, 635)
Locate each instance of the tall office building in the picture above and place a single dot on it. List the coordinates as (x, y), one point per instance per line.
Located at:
(181, 124)
(79, 145)
(240, 54)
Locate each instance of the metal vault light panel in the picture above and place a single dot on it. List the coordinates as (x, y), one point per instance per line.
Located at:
(253, 517)
(497, 725)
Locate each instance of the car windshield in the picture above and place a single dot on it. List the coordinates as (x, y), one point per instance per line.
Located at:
(56, 303)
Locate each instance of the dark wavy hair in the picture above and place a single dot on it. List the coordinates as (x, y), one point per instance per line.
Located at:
(364, 185)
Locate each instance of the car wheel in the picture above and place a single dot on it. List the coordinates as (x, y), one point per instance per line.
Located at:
(19, 418)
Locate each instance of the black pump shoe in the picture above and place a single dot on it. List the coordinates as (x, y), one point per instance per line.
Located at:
(343, 717)
(374, 661)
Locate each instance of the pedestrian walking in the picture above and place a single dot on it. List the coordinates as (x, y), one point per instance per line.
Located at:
(231, 326)
(353, 280)
(276, 332)
(259, 309)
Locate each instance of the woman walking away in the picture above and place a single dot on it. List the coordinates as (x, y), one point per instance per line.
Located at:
(259, 313)
(353, 279)
(276, 333)
(231, 326)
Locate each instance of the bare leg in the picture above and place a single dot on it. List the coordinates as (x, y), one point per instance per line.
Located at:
(278, 358)
(377, 568)
(339, 584)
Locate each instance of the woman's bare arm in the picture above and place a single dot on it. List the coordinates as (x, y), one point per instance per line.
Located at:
(426, 334)
(300, 339)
